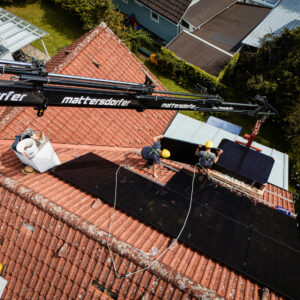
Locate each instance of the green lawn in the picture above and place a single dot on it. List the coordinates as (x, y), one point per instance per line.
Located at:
(62, 28)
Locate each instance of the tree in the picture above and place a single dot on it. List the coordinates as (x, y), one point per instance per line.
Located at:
(273, 70)
(92, 13)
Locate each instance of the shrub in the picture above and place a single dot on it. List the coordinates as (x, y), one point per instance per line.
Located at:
(183, 73)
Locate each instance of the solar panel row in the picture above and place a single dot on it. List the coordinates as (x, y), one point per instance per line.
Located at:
(252, 239)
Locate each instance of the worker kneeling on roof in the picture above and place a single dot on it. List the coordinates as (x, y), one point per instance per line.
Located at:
(153, 153)
(206, 157)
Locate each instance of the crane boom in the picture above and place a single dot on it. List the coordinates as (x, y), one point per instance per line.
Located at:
(33, 86)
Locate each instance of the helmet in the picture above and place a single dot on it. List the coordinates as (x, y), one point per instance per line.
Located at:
(209, 144)
(165, 153)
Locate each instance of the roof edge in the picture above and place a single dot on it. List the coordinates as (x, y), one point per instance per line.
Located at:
(165, 272)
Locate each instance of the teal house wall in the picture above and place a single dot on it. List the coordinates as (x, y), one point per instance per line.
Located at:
(164, 28)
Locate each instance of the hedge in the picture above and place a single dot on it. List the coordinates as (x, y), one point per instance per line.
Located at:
(182, 72)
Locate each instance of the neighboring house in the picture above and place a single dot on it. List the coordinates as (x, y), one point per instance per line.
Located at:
(285, 15)
(16, 33)
(167, 18)
(53, 234)
(213, 44)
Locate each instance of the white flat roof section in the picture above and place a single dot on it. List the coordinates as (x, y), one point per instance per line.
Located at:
(16, 33)
(190, 130)
(285, 15)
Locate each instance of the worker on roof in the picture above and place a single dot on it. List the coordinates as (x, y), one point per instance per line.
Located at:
(206, 157)
(153, 153)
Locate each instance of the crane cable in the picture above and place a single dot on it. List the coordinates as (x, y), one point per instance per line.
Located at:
(171, 244)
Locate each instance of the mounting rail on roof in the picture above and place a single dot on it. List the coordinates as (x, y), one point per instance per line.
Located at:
(33, 86)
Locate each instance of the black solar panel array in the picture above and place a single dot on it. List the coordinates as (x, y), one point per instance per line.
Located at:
(253, 239)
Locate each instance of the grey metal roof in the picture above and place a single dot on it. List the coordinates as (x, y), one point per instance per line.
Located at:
(191, 130)
(285, 15)
(212, 45)
(15, 33)
(204, 10)
(269, 3)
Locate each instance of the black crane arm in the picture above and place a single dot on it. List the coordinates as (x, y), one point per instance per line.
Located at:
(33, 86)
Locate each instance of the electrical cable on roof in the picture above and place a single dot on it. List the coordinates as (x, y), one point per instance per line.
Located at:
(173, 241)
(111, 221)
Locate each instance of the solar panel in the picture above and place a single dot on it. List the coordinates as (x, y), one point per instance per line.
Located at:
(252, 239)
(182, 151)
(274, 264)
(282, 229)
(217, 236)
(245, 162)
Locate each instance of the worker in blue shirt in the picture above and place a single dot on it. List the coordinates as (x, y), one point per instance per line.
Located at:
(206, 157)
(153, 153)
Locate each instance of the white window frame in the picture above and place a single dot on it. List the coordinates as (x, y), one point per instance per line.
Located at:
(151, 16)
(125, 1)
(138, 3)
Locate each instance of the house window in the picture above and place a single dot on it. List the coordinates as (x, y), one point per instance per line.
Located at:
(185, 24)
(154, 16)
(125, 1)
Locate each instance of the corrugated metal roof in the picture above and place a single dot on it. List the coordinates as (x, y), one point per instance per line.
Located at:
(15, 33)
(285, 15)
(191, 130)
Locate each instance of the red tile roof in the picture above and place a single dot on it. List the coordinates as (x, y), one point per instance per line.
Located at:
(67, 250)
(36, 269)
(110, 127)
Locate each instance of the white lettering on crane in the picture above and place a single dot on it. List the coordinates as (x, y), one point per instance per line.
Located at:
(178, 106)
(11, 96)
(95, 101)
(225, 108)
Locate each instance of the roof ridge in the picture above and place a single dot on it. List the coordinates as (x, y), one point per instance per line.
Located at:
(124, 249)
(9, 115)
